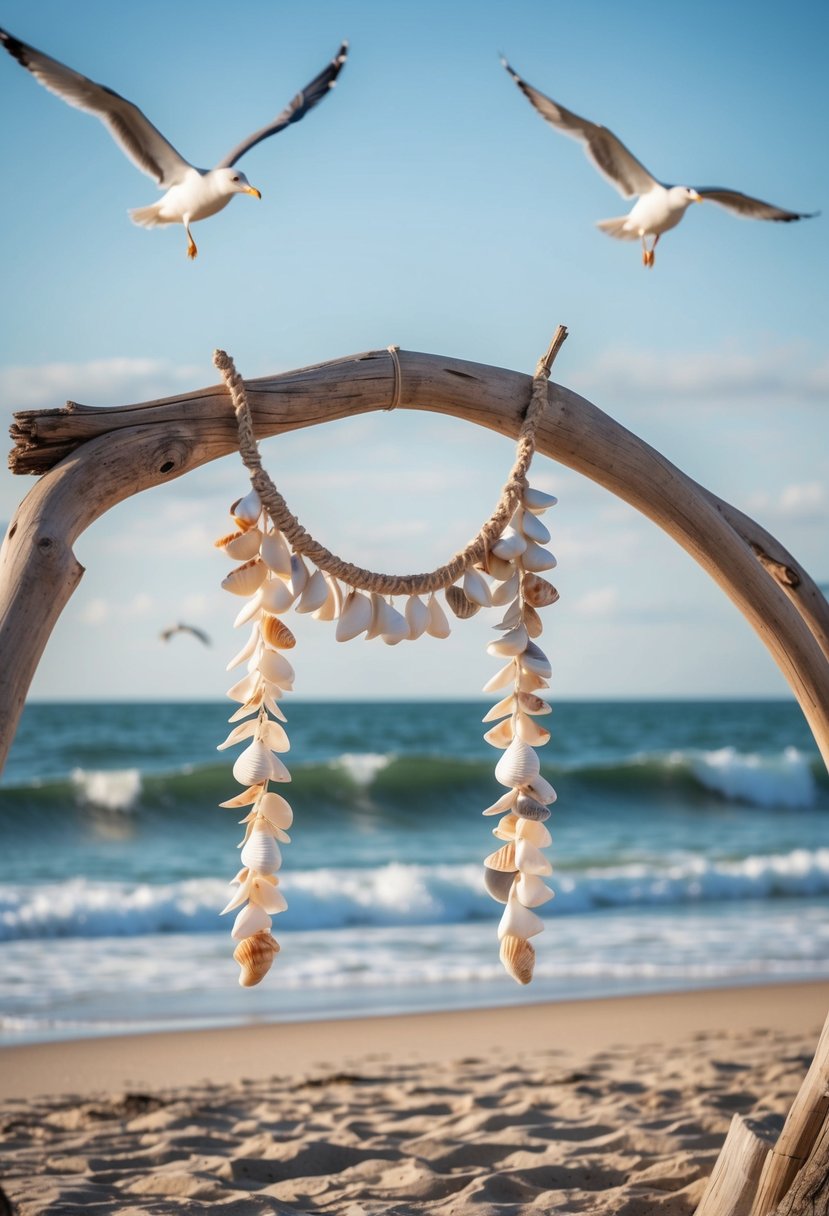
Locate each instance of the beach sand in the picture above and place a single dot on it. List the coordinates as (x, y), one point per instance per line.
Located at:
(614, 1106)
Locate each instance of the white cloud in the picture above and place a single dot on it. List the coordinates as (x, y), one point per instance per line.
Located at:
(803, 501)
(600, 602)
(116, 381)
(95, 612)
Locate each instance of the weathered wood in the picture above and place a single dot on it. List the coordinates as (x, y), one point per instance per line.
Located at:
(732, 1184)
(809, 1193)
(800, 1132)
(130, 448)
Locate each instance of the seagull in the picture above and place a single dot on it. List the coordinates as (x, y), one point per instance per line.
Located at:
(192, 194)
(166, 634)
(659, 207)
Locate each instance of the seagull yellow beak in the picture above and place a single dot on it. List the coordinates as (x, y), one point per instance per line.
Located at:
(252, 190)
(697, 198)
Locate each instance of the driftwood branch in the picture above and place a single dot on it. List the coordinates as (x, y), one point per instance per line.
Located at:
(732, 1184)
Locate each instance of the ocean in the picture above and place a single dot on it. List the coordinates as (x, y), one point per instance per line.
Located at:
(690, 849)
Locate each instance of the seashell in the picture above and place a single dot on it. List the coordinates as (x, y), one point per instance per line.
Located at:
(541, 790)
(244, 689)
(250, 610)
(460, 603)
(534, 832)
(276, 669)
(534, 558)
(250, 707)
(528, 681)
(505, 830)
(314, 594)
(245, 730)
(276, 633)
(246, 651)
(252, 919)
(246, 798)
(501, 678)
(510, 544)
(240, 546)
(529, 730)
(533, 529)
(275, 553)
(244, 880)
(276, 596)
(503, 804)
(518, 921)
(246, 511)
(530, 704)
(254, 765)
(396, 627)
(503, 707)
(518, 765)
(276, 810)
(330, 610)
(266, 895)
(530, 860)
(531, 891)
(355, 616)
(535, 660)
(476, 588)
(514, 642)
(498, 567)
(261, 853)
(378, 616)
(255, 956)
(502, 734)
(246, 579)
(502, 859)
(538, 592)
(527, 808)
(299, 574)
(417, 615)
(499, 884)
(532, 621)
(537, 501)
(507, 590)
(518, 958)
(512, 616)
(438, 626)
(274, 737)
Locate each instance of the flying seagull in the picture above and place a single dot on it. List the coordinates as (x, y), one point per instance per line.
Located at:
(659, 207)
(166, 634)
(192, 194)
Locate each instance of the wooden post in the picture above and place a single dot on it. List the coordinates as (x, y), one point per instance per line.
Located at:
(732, 1185)
(809, 1194)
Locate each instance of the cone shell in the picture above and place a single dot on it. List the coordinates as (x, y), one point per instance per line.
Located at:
(535, 558)
(355, 617)
(240, 546)
(500, 735)
(499, 883)
(531, 891)
(417, 615)
(537, 501)
(246, 579)
(315, 593)
(252, 919)
(518, 958)
(518, 765)
(438, 626)
(460, 603)
(261, 853)
(275, 553)
(476, 588)
(538, 592)
(276, 633)
(255, 956)
(502, 859)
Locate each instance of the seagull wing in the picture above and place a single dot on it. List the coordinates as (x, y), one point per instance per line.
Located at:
(136, 136)
(608, 154)
(304, 101)
(751, 208)
(197, 633)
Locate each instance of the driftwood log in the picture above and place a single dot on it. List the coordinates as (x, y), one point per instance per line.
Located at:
(92, 459)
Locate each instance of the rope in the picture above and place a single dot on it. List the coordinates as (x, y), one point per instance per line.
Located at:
(356, 576)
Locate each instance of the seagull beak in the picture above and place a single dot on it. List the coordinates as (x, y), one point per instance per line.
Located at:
(697, 198)
(252, 190)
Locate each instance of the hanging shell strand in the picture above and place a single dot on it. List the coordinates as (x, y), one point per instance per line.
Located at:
(514, 874)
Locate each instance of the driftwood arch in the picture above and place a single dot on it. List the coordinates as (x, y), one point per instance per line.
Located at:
(92, 459)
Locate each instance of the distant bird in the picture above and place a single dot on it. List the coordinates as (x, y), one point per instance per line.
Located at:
(659, 207)
(166, 634)
(192, 194)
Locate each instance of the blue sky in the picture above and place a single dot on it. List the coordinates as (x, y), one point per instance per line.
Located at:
(424, 203)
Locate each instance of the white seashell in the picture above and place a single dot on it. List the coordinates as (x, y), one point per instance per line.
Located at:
(537, 500)
(502, 734)
(538, 592)
(531, 891)
(315, 593)
(541, 790)
(255, 956)
(499, 883)
(254, 765)
(535, 558)
(275, 738)
(246, 797)
(528, 681)
(518, 765)
(378, 616)
(477, 588)
(275, 553)
(509, 545)
(514, 642)
(498, 567)
(529, 730)
(250, 610)
(505, 830)
(245, 880)
(246, 651)
(245, 730)
(501, 678)
(396, 627)
(261, 853)
(530, 860)
(535, 660)
(252, 919)
(507, 591)
(502, 859)
(244, 689)
(518, 958)
(250, 707)
(532, 527)
(268, 896)
(503, 804)
(532, 621)
(246, 511)
(438, 626)
(518, 921)
(240, 546)
(276, 810)
(276, 596)
(417, 614)
(512, 616)
(246, 579)
(531, 704)
(355, 616)
(299, 574)
(506, 706)
(276, 669)
(533, 831)
(330, 609)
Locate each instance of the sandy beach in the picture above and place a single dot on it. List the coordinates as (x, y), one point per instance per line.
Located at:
(616, 1105)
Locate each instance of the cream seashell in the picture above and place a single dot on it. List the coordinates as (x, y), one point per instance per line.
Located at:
(252, 919)
(535, 559)
(528, 681)
(502, 859)
(541, 790)
(395, 626)
(378, 616)
(476, 588)
(514, 642)
(531, 704)
(528, 808)
(518, 921)
(518, 957)
(532, 527)
(276, 669)
(246, 651)
(249, 611)
(254, 765)
(532, 621)
(267, 895)
(299, 574)
(246, 511)
(530, 860)
(505, 676)
(512, 617)
(245, 730)
(417, 615)
(535, 660)
(240, 546)
(275, 738)
(505, 830)
(246, 798)
(505, 706)
(501, 735)
(533, 831)
(438, 626)
(276, 596)
(250, 707)
(537, 501)
(314, 594)
(518, 765)
(510, 544)
(276, 633)
(531, 891)
(460, 603)
(499, 884)
(507, 591)
(503, 804)
(275, 553)
(255, 956)
(355, 616)
(245, 688)
(276, 810)
(529, 730)
(330, 610)
(246, 579)
(538, 592)
(498, 567)
(261, 853)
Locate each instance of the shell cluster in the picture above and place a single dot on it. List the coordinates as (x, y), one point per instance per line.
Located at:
(514, 874)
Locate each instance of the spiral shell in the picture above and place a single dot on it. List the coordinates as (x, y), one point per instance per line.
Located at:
(255, 956)
(518, 957)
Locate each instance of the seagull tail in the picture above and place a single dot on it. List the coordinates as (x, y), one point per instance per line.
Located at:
(618, 228)
(148, 217)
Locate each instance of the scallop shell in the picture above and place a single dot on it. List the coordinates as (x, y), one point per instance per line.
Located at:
(505, 676)
(498, 567)
(527, 808)
(255, 956)
(541, 790)
(252, 919)
(504, 707)
(276, 633)
(531, 891)
(276, 810)
(255, 764)
(502, 859)
(529, 730)
(514, 642)
(460, 603)
(314, 594)
(518, 958)
(501, 735)
(505, 830)
(503, 804)
(510, 544)
(240, 546)
(518, 921)
(537, 501)
(266, 895)
(355, 616)
(518, 765)
(417, 615)
(246, 511)
(438, 626)
(507, 590)
(476, 588)
(533, 831)
(261, 853)
(530, 704)
(276, 596)
(534, 558)
(538, 592)
(275, 553)
(246, 579)
(532, 527)
(299, 574)
(535, 660)
(499, 884)
(276, 669)
(530, 859)
(533, 622)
